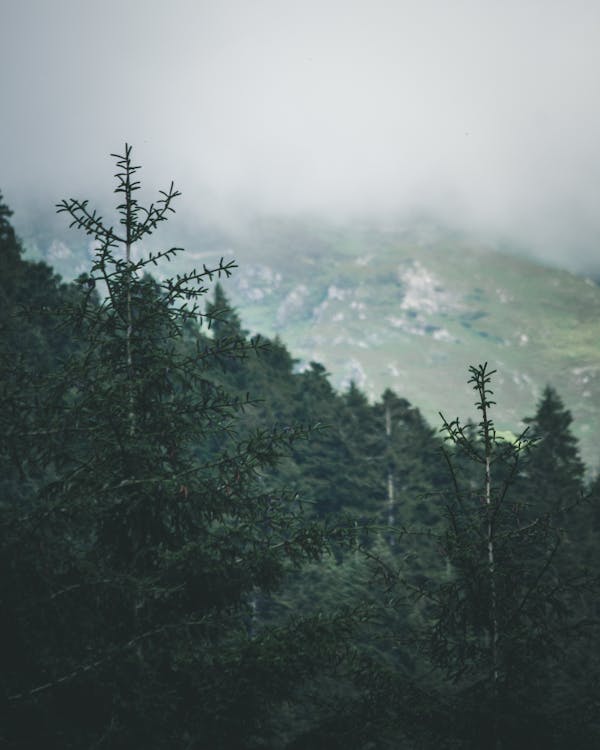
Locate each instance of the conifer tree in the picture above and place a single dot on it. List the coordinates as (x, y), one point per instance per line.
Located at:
(140, 529)
(503, 624)
(10, 248)
(410, 453)
(224, 320)
(553, 477)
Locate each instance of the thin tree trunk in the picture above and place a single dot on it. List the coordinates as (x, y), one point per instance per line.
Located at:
(494, 633)
(391, 500)
(129, 331)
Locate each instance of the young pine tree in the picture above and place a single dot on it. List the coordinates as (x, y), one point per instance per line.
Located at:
(507, 626)
(502, 625)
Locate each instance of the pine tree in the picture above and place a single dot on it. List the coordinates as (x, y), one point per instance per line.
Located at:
(410, 453)
(503, 623)
(141, 529)
(509, 608)
(10, 248)
(553, 477)
(224, 320)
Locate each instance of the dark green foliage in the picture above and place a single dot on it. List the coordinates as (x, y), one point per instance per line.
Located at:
(160, 589)
(504, 625)
(28, 292)
(594, 502)
(139, 528)
(224, 321)
(553, 477)
(10, 248)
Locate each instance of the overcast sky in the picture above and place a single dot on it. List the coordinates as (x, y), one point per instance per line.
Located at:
(485, 111)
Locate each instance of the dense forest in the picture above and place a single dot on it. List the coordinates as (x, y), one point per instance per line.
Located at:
(204, 546)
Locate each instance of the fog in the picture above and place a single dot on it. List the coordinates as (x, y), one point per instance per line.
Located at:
(484, 113)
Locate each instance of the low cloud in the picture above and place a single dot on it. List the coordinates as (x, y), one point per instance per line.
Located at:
(485, 114)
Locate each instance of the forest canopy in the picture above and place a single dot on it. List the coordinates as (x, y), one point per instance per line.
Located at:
(204, 547)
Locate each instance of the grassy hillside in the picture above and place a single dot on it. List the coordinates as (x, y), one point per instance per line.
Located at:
(409, 308)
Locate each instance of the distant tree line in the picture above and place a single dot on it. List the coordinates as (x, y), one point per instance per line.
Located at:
(204, 546)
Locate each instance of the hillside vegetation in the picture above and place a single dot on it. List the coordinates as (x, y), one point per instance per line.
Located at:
(389, 308)
(392, 309)
(203, 545)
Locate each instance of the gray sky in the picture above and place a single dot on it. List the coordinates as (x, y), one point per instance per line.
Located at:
(486, 111)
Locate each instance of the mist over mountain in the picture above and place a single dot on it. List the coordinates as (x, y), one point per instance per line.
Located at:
(363, 162)
(402, 305)
(482, 115)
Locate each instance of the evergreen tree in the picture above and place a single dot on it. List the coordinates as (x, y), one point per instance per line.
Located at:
(594, 498)
(224, 320)
(10, 247)
(554, 475)
(28, 291)
(323, 460)
(411, 462)
(139, 531)
(503, 624)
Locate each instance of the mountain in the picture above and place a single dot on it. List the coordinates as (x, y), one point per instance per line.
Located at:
(408, 307)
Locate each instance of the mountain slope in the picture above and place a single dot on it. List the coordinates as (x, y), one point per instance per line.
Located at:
(410, 308)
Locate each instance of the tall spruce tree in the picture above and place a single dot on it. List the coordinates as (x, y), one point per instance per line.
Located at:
(139, 529)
